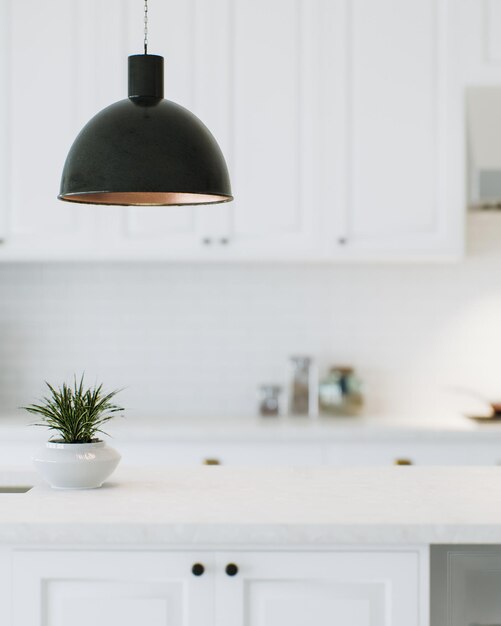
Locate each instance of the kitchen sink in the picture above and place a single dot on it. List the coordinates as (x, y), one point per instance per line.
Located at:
(15, 488)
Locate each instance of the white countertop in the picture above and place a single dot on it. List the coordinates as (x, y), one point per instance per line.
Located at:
(207, 506)
(139, 427)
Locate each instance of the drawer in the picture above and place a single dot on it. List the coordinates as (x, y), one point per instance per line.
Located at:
(426, 453)
(237, 454)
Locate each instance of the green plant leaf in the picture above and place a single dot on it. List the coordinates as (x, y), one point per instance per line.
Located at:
(75, 412)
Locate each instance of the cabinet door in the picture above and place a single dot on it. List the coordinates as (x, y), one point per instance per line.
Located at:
(260, 68)
(445, 452)
(108, 588)
(4, 121)
(43, 74)
(186, 232)
(294, 589)
(397, 148)
(183, 454)
(480, 52)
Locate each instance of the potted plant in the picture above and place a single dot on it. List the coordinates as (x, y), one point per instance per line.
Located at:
(76, 458)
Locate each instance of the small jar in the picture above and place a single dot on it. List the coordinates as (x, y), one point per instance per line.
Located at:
(340, 392)
(269, 400)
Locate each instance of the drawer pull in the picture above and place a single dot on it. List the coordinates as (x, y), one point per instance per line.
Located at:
(198, 569)
(402, 461)
(211, 462)
(231, 569)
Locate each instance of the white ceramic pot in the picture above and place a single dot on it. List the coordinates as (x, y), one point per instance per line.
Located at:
(76, 465)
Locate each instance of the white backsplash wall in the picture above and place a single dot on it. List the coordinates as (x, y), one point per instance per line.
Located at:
(197, 340)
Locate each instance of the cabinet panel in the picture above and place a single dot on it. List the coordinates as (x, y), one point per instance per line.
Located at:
(51, 93)
(267, 83)
(403, 130)
(480, 53)
(293, 589)
(42, 105)
(105, 603)
(4, 120)
(299, 603)
(43, 93)
(492, 21)
(103, 588)
(393, 130)
(274, 91)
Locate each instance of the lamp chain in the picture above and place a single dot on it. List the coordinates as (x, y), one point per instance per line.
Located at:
(145, 26)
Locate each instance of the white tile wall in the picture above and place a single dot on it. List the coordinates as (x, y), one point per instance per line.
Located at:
(198, 340)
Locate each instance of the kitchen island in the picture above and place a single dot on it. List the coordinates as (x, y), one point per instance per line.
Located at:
(233, 546)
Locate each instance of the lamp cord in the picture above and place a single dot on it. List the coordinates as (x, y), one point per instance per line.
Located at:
(145, 26)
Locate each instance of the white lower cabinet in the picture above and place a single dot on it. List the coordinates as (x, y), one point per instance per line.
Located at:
(445, 452)
(159, 588)
(183, 454)
(123, 588)
(284, 454)
(320, 589)
(345, 454)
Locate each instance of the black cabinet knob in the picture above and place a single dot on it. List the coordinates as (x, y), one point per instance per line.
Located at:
(231, 569)
(198, 569)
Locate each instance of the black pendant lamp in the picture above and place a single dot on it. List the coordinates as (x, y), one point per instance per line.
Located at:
(145, 150)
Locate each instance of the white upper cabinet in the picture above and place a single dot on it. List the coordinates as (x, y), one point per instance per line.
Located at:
(397, 153)
(39, 56)
(341, 121)
(480, 54)
(272, 61)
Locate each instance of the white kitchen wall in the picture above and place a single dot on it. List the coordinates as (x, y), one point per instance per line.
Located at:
(197, 340)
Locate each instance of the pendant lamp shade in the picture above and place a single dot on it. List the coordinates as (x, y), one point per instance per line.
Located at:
(145, 150)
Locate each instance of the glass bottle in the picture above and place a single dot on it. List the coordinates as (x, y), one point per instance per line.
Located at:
(302, 393)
